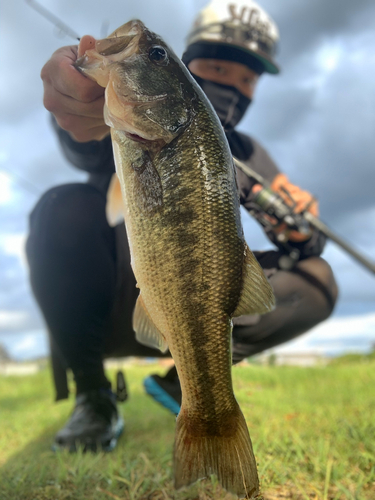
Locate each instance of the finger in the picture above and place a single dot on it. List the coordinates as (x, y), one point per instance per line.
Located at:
(60, 73)
(305, 201)
(87, 42)
(279, 181)
(60, 104)
(95, 134)
(298, 237)
(74, 124)
(256, 188)
(313, 208)
(73, 84)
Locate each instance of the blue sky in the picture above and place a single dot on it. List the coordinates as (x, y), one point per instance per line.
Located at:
(316, 119)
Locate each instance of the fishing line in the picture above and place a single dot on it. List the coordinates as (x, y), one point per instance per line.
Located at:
(58, 23)
(64, 28)
(104, 29)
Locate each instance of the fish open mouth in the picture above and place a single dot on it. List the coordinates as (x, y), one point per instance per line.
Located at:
(136, 137)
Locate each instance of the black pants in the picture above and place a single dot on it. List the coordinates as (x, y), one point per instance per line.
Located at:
(81, 277)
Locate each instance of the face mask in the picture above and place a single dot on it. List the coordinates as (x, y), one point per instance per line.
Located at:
(228, 102)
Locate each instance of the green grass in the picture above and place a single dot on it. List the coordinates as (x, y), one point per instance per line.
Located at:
(313, 431)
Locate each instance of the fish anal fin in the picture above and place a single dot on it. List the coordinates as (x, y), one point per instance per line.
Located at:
(257, 295)
(145, 330)
(229, 457)
(115, 207)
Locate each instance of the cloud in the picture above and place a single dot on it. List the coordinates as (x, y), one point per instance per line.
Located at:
(24, 346)
(336, 335)
(5, 188)
(14, 244)
(28, 343)
(12, 319)
(303, 25)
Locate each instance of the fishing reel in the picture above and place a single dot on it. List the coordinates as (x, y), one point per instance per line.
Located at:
(275, 214)
(276, 211)
(271, 210)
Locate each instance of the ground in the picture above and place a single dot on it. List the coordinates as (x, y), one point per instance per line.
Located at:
(313, 431)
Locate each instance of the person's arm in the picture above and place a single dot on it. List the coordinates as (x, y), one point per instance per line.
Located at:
(311, 244)
(95, 157)
(308, 245)
(76, 104)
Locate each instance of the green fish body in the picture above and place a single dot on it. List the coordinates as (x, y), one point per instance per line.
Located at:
(188, 252)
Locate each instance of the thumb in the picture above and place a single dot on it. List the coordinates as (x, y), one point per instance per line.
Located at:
(87, 42)
(256, 188)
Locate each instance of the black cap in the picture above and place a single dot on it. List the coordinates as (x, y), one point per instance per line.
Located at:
(214, 50)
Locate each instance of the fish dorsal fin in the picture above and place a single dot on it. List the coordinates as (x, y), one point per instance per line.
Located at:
(145, 330)
(257, 295)
(115, 207)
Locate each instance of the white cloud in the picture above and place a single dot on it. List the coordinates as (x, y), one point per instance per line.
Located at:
(347, 327)
(14, 244)
(12, 319)
(329, 55)
(28, 343)
(5, 188)
(336, 335)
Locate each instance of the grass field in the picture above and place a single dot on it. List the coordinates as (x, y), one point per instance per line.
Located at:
(313, 431)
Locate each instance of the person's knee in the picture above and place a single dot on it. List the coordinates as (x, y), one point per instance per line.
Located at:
(64, 214)
(67, 203)
(317, 272)
(65, 219)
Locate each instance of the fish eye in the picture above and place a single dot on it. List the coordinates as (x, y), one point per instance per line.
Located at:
(158, 55)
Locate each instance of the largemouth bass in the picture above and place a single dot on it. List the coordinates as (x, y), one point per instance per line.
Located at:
(192, 265)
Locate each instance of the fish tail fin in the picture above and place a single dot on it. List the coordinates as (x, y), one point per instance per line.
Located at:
(229, 455)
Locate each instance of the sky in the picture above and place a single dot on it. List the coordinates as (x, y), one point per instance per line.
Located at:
(316, 119)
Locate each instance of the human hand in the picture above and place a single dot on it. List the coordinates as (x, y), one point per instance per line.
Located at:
(292, 196)
(75, 101)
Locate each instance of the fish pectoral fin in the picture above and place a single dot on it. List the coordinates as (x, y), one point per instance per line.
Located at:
(115, 206)
(145, 330)
(257, 294)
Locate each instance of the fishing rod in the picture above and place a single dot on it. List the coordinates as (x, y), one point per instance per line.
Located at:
(266, 201)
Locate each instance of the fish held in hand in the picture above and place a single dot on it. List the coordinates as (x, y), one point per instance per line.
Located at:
(192, 265)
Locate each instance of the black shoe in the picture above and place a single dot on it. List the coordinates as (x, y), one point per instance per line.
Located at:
(94, 425)
(165, 390)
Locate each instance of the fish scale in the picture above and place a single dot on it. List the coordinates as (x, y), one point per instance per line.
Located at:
(192, 265)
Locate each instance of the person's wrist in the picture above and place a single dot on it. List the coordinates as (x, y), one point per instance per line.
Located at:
(86, 137)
